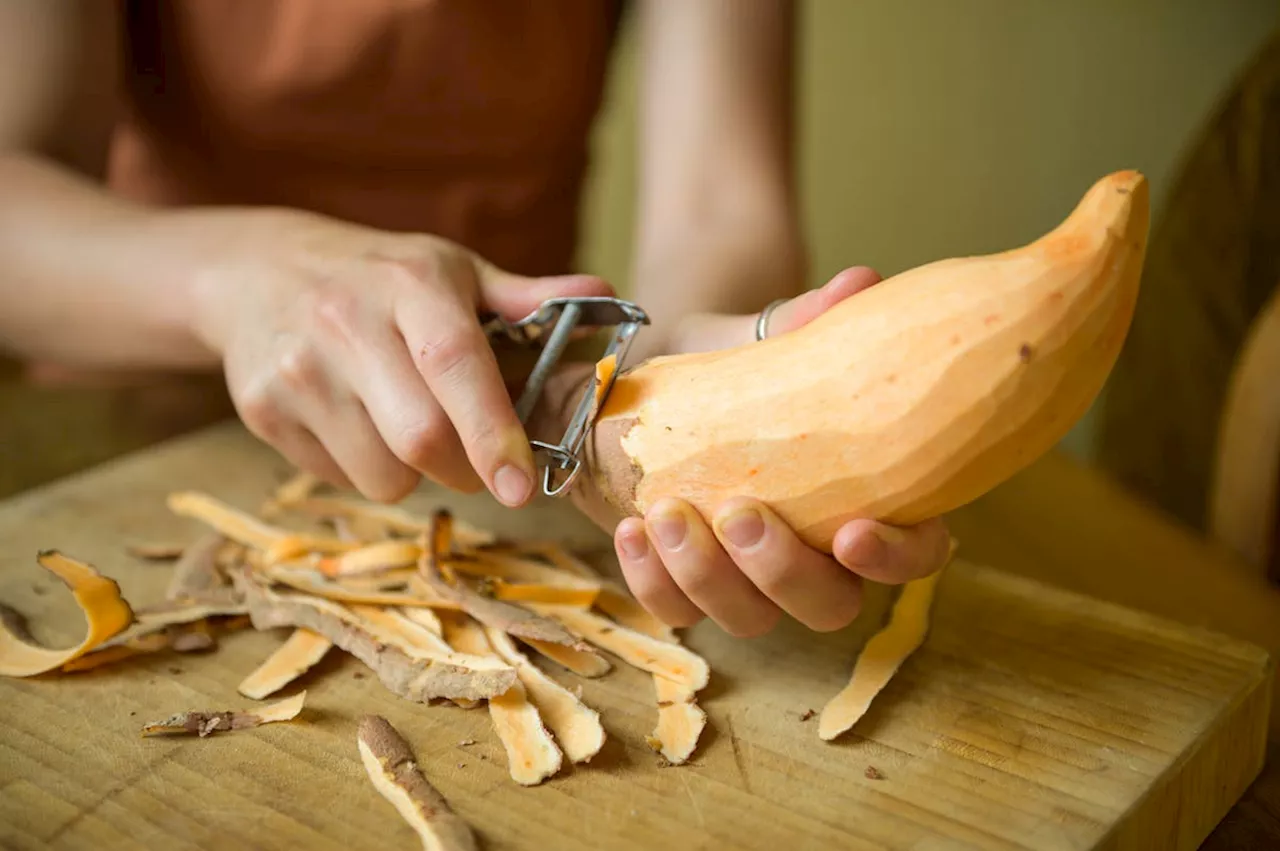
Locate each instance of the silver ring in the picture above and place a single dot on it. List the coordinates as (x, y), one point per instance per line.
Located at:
(762, 322)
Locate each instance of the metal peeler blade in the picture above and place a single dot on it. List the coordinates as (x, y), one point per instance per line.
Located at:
(551, 326)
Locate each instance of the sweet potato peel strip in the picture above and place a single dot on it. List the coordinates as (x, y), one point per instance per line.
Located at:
(680, 721)
(394, 772)
(575, 725)
(207, 723)
(300, 652)
(532, 755)
(106, 613)
(881, 658)
(673, 661)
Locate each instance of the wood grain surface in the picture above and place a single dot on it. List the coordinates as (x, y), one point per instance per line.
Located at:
(1031, 718)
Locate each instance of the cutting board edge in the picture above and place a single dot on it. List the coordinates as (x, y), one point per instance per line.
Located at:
(1200, 788)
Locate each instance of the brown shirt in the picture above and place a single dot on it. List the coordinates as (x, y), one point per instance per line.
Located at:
(469, 119)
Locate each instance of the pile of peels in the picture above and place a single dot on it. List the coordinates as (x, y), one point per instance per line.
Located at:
(437, 609)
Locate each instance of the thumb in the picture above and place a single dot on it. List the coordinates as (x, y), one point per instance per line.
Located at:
(805, 308)
(514, 297)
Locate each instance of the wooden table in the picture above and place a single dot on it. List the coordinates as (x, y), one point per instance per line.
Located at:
(1057, 523)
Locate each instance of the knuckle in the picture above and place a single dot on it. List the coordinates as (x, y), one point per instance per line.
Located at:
(390, 488)
(261, 414)
(422, 443)
(335, 312)
(446, 355)
(298, 368)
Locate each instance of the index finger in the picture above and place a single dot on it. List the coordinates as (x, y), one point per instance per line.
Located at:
(453, 356)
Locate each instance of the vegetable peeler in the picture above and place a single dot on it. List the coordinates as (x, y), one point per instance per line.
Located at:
(551, 326)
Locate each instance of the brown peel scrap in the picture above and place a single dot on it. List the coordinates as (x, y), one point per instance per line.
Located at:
(680, 721)
(532, 755)
(673, 661)
(300, 652)
(105, 610)
(575, 725)
(233, 523)
(206, 723)
(881, 658)
(406, 669)
(394, 772)
(372, 558)
(197, 572)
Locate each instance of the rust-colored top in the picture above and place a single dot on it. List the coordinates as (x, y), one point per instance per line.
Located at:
(469, 119)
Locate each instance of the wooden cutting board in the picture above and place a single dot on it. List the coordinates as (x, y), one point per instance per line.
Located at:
(1031, 718)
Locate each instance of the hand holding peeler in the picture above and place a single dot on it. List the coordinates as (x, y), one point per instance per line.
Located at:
(551, 326)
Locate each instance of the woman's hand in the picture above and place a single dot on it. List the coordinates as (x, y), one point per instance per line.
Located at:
(746, 567)
(359, 356)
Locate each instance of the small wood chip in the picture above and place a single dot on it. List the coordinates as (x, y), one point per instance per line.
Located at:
(394, 772)
(156, 552)
(807, 714)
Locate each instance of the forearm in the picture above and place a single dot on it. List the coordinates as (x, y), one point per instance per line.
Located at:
(717, 225)
(89, 280)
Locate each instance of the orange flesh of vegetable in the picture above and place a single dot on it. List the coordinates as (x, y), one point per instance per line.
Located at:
(584, 663)
(371, 558)
(105, 610)
(880, 659)
(575, 725)
(672, 661)
(206, 723)
(680, 721)
(394, 772)
(231, 522)
(300, 651)
(915, 398)
(532, 755)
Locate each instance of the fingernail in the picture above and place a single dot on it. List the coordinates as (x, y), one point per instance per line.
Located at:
(889, 534)
(635, 547)
(512, 484)
(744, 528)
(670, 529)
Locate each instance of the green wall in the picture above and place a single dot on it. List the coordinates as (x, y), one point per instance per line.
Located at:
(942, 128)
